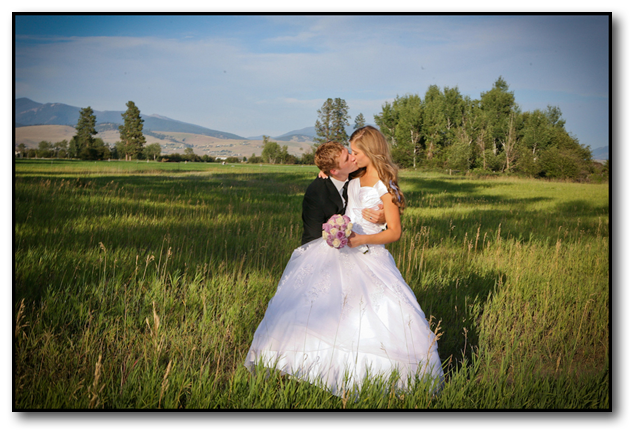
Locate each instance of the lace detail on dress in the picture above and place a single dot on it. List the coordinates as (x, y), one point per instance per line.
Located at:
(300, 250)
(399, 292)
(319, 288)
(284, 279)
(303, 273)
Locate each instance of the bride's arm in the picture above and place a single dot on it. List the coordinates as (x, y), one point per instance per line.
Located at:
(392, 234)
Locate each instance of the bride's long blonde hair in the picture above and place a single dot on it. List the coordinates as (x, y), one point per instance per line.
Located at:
(372, 142)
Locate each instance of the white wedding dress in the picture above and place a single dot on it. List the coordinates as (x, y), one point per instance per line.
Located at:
(341, 314)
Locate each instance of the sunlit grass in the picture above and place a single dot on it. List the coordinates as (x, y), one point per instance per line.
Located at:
(140, 285)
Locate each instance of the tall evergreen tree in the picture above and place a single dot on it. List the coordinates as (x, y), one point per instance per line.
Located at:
(340, 119)
(359, 121)
(85, 130)
(332, 121)
(131, 131)
(324, 123)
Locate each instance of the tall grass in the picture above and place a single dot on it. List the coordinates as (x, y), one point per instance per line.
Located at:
(140, 285)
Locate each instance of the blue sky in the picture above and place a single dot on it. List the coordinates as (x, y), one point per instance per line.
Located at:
(268, 74)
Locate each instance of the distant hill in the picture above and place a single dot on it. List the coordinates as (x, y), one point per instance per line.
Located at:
(29, 113)
(306, 134)
(601, 153)
(302, 135)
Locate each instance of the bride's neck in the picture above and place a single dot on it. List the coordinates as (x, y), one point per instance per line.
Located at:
(370, 173)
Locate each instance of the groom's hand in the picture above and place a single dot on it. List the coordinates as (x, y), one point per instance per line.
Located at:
(375, 216)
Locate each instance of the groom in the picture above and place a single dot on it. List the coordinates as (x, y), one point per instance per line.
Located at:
(326, 197)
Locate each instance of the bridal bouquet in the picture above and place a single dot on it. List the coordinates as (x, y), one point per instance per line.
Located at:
(337, 230)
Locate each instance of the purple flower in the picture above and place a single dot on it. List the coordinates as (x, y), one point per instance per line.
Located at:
(337, 230)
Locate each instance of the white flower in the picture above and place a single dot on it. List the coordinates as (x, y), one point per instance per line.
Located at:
(340, 220)
(336, 243)
(348, 232)
(333, 231)
(324, 235)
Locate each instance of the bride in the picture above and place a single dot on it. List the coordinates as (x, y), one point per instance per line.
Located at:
(341, 315)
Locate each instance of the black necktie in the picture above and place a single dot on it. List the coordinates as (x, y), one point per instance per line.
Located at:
(344, 192)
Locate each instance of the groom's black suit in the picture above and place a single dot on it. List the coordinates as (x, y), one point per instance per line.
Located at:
(320, 203)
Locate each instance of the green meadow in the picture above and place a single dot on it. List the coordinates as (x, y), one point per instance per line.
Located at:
(139, 286)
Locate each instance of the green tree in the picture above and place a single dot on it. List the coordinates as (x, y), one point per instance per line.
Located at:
(254, 159)
(22, 149)
(497, 106)
(387, 122)
(454, 108)
(120, 149)
(189, 154)
(509, 142)
(408, 130)
(308, 157)
(103, 152)
(73, 148)
(152, 151)
(359, 121)
(340, 120)
(434, 122)
(131, 131)
(271, 151)
(460, 154)
(537, 132)
(44, 149)
(283, 154)
(567, 158)
(323, 125)
(61, 146)
(332, 121)
(85, 129)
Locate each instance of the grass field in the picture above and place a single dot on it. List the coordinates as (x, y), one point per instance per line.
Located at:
(139, 286)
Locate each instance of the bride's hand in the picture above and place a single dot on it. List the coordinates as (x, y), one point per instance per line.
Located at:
(355, 240)
(322, 175)
(375, 216)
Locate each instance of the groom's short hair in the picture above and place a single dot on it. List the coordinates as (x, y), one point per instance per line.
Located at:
(327, 156)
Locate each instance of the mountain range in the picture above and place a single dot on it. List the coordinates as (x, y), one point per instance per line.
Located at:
(301, 135)
(29, 113)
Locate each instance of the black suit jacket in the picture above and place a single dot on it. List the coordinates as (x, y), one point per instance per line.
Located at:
(320, 203)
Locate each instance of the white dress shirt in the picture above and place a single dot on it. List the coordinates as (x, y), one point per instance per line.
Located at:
(339, 185)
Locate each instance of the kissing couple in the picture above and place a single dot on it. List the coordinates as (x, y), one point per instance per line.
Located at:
(340, 316)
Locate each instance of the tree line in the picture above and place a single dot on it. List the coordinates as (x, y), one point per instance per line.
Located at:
(446, 130)
(85, 146)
